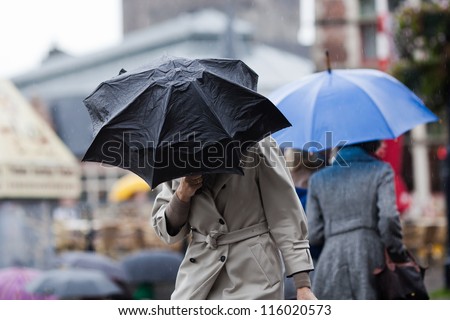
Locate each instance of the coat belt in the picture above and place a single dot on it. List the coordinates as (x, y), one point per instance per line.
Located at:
(217, 238)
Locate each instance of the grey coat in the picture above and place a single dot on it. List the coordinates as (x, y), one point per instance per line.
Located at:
(249, 266)
(352, 211)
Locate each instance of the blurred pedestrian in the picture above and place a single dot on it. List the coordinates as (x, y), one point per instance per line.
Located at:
(352, 212)
(302, 164)
(238, 224)
(67, 209)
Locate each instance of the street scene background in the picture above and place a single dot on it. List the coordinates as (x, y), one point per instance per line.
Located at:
(52, 203)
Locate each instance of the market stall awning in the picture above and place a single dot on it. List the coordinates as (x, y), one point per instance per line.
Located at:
(34, 162)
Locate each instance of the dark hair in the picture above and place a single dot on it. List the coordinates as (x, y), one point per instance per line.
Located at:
(307, 160)
(369, 146)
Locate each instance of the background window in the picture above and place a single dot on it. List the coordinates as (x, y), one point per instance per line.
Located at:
(367, 8)
(368, 34)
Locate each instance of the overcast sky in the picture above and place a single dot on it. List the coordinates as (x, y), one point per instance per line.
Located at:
(29, 28)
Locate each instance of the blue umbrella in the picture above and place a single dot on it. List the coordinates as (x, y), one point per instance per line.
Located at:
(338, 107)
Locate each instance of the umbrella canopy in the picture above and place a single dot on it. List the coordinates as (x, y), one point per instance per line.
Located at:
(93, 261)
(152, 266)
(339, 107)
(177, 117)
(13, 282)
(125, 187)
(73, 284)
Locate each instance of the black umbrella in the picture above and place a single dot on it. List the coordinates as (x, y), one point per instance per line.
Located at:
(179, 117)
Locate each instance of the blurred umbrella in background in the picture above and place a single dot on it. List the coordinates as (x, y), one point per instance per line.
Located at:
(127, 186)
(152, 266)
(74, 284)
(94, 261)
(13, 282)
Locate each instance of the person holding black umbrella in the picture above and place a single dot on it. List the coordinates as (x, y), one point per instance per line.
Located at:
(175, 119)
(239, 224)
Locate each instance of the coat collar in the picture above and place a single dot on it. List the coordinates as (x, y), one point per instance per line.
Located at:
(352, 154)
(219, 182)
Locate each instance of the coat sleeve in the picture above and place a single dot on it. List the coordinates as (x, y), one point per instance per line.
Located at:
(283, 210)
(314, 214)
(159, 220)
(389, 219)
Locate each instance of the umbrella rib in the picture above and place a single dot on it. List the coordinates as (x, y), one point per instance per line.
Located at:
(314, 114)
(166, 102)
(372, 100)
(200, 92)
(144, 88)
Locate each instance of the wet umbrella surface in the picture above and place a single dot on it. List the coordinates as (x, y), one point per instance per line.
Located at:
(178, 117)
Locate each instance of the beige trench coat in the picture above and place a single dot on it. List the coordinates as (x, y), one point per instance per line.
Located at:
(252, 267)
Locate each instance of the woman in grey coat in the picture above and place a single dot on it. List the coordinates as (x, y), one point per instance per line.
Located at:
(352, 212)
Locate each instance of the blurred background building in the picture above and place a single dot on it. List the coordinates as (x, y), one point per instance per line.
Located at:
(37, 170)
(275, 23)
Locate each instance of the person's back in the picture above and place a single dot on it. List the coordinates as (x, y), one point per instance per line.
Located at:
(351, 210)
(349, 195)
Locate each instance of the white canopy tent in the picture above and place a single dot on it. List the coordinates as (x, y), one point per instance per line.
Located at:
(34, 163)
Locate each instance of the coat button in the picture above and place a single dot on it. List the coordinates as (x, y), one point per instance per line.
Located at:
(192, 260)
(224, 186)
(221, 221)
(222, 258)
